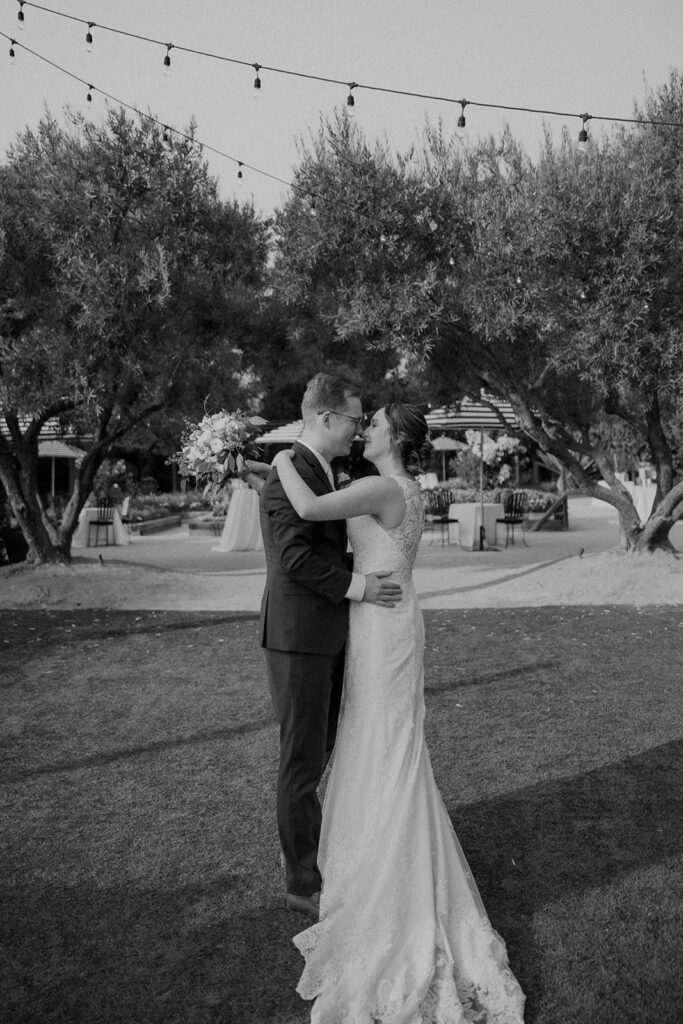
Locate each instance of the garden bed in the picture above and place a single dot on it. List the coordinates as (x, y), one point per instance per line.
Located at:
(215, 524)
(156, 525)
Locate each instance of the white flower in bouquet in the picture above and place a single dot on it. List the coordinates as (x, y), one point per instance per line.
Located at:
(214, 450)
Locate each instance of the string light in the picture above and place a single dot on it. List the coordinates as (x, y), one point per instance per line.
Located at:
(11, 52)
(350, 101)
(336, 81)
(20, 15)
(257, 82)
(583, 134)
(460, 128)
(89, 96)
(289, 184)
(153, 120)
(88, 37)
(167, 59)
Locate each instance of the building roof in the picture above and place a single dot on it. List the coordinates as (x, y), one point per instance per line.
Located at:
(58, 450)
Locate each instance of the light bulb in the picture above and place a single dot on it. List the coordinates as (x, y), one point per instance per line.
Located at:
(88, 37)
(240, 176)
(256, 94)
(167, 59)
(350, 101)
(460, 127)
(89, 96)
(11, 53)
(20, 15)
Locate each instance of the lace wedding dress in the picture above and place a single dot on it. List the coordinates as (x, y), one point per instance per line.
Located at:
(403, 937)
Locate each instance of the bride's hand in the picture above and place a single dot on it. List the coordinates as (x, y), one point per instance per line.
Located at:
(288, 454)
(258, 468)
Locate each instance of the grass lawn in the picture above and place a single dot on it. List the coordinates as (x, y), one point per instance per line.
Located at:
(139, 855)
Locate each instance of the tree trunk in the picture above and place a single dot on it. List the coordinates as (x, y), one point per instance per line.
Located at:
(636, 538)
(42, 547)
(654, 534)
(18, 473)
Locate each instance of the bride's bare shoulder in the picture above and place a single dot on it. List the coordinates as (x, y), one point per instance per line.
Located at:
(375, 484)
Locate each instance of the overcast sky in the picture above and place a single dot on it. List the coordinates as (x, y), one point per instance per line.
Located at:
(598, 56)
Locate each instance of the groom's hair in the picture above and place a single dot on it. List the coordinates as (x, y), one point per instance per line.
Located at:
(325, 392)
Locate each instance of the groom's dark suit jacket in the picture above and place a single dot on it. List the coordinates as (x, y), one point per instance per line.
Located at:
(308, 571)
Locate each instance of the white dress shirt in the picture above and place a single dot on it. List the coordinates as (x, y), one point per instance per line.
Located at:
(356, 591)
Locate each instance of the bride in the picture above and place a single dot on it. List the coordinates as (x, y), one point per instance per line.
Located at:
(403, 936)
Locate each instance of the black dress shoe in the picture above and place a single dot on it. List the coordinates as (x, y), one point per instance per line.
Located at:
(305, 904)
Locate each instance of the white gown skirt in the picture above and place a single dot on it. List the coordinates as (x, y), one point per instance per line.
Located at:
(403, 936)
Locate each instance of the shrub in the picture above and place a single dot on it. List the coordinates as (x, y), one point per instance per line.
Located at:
(538, 500)
(144, 507)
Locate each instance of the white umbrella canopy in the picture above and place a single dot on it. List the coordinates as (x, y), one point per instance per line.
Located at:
(286, 434)
(445, 444)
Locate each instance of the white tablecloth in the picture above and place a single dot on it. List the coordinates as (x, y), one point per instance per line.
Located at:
(81, 538)
(642, 496)
(468, 515)
(242, 530)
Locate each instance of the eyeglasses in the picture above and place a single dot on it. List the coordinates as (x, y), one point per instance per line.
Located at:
(358, 420)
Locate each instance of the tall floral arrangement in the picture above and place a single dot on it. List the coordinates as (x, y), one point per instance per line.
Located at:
(498, 452)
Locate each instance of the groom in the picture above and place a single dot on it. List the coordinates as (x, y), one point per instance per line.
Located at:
(304, 621)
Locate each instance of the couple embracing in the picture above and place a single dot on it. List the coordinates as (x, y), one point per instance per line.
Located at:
(399, 934)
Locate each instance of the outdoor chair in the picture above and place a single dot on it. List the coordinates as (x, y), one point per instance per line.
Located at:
(104, 520)
(514, 514)
(437, 504)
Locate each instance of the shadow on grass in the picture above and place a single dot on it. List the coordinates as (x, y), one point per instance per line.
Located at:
(497, 582)
(565, 837)
(160, 746)
(92, 625)
(221, 950)
(481, 678)
(134, 954)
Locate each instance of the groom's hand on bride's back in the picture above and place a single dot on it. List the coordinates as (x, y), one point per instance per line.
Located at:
(380, 590)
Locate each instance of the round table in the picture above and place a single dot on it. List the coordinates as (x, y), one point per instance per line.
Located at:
(242, 529)
(468, 515)
(81, 537)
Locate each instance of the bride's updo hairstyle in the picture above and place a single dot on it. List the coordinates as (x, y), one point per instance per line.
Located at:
(409, 430)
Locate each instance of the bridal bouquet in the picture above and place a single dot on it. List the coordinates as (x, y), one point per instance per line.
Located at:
(214, 449)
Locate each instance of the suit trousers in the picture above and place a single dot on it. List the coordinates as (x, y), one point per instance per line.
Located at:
(306, 693)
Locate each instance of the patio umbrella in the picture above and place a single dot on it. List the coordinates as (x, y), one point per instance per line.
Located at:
(488, 413)
(288, 433)
(445, 444)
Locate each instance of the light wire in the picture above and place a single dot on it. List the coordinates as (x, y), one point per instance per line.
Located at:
(357, 85)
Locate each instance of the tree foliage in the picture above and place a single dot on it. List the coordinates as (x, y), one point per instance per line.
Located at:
(555, 285)
(125, 290)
